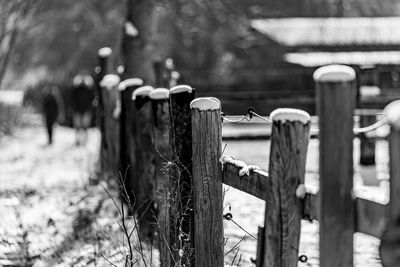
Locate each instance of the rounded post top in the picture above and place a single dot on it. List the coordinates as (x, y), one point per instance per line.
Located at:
(142, 91)
(392, 113)
(334, 73)
(289, 114)
(206, 103)
(129, 83)
(104, 52)
(110, 81)
(159, 94)
(181, 89)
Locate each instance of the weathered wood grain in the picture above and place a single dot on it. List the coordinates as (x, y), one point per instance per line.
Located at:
(283, 209)
(335, 103)
(162, 159)
(181, 189)
(207, 183)
(254, 184)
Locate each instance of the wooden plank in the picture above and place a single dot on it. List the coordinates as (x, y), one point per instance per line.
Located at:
(127, 150)
(181, 191)
(207, 182)
(102, 68)
(370, 217)
(144, 178)
(255, 183)
(162, 158)
(335, 100)
(390, 243)
(283, 207)
(111, 101)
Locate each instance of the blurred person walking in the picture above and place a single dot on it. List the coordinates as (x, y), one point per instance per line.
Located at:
(82, 98)
(53, 110)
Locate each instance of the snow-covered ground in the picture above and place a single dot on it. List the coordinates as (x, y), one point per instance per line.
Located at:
(50, 212)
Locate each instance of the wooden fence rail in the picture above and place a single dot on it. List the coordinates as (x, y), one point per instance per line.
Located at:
(172, 143)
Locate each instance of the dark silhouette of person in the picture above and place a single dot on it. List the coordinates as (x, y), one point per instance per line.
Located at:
(51, 105)
(82, 98)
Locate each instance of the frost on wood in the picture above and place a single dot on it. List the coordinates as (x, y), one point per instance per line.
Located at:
(159, 94)
(301, 191)
(117, 110)
(142, 91)
(130, 82)
(104, 52)
(392, 113)
(290, 114)
(180, 89)
(244, 168)
(334, 73)
(130, 29)
(206, 103)
(110, 81)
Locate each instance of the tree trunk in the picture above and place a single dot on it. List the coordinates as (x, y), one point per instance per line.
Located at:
(148, 36)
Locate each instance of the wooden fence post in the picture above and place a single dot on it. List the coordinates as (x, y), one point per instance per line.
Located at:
(111, 103)
(283, 214)
(181, 195)
(143, 179)
(390, 241)
(160, 102)
(207, 182)
(367, 145)
(335, 101)
(127, 135)
(102, 68)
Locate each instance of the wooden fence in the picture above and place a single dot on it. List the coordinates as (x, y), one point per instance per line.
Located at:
(171, 144)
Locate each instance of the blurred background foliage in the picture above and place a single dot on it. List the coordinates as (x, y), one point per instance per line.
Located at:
(54, 40)
(58, 39)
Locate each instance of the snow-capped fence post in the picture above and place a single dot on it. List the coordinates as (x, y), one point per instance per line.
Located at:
(207, 182)
(143, 173)
(181, 215)
(161, 129)
(390, 239)
(111, 103)
(102, 68)
(336, 91)
(286, 190)
(127, 134)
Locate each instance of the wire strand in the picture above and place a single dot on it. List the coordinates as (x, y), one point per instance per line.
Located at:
(372, 127)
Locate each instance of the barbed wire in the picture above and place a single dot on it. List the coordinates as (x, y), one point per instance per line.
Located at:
(250, 113)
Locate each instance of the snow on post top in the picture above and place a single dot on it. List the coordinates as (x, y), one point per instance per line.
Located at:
(104, 52)
(289, 114)
(392, 113)
(142, 91)
(110, 81)
(159, 94)
(180, 89)
(130, 82)
(334, 73)
(205, 103)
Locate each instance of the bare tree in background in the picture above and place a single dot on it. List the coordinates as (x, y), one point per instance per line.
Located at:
(12, 22)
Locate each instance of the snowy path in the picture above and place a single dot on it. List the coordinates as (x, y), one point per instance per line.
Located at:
(40, 190)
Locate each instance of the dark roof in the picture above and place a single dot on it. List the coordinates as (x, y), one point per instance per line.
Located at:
(314, 32)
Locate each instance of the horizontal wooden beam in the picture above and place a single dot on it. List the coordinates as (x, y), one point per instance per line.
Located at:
(370, 216)
(254, 184)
